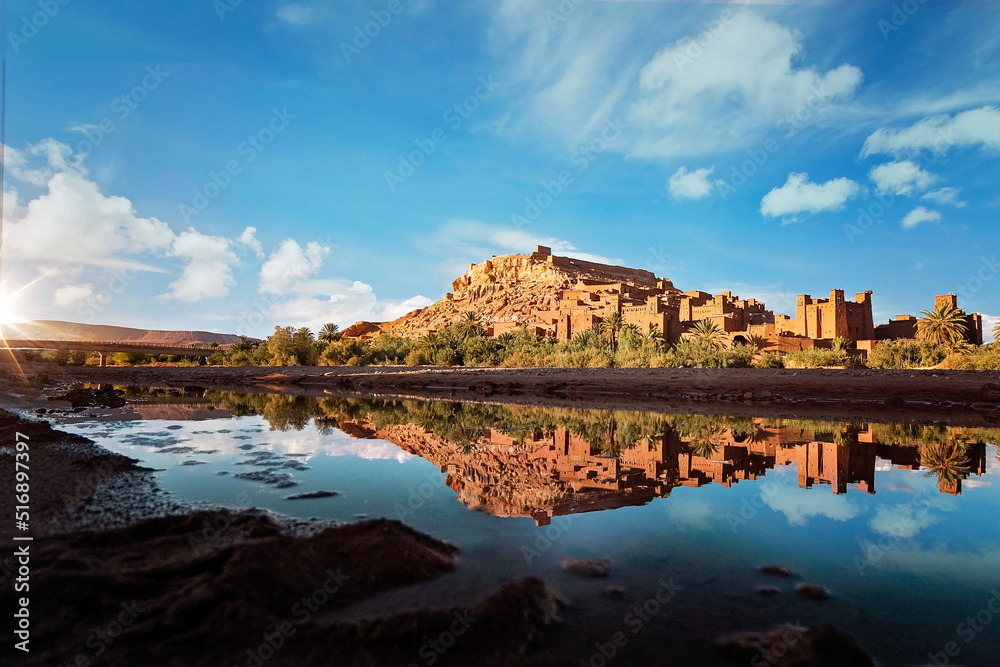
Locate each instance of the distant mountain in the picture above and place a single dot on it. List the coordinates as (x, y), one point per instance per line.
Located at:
(53, 330)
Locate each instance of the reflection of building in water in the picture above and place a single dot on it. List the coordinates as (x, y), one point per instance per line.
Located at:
(654, 466)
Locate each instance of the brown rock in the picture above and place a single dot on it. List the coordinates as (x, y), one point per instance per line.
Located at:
(796, 646)
(587, 567)
(812, 592)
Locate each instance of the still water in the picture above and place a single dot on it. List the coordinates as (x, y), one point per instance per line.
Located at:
(899, 523)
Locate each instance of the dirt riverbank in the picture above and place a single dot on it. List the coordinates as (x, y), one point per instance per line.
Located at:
(970, 398)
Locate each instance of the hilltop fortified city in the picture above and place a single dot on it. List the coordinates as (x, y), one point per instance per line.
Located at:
(561, 297)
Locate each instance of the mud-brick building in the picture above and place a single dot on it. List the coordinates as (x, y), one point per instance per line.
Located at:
(831, 318)
(905, 326)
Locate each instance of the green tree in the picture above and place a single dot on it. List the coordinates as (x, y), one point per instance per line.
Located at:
(841, 344)
(945, 325)
(329, 333)
(468, 326)
(709, 333)
(610, 326)
(948, 461)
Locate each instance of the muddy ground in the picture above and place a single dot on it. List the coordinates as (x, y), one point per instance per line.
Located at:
(967, 398)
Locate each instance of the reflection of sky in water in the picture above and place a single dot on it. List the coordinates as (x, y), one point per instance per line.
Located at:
(905, 565)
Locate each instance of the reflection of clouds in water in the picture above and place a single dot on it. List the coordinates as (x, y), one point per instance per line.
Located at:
(799, 505)
(975, 483)
(900, 487)
(883, 465)
(906, 520)
(308, 441)
(692, 514)
(939, 563)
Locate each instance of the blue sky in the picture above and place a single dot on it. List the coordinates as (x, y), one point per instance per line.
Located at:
(223, 166)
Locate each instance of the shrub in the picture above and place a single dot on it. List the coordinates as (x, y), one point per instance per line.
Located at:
(446, 357)
(906, 354)
(415, 358)
(985, 358)
(770, 360)
(342, 351)
(816, 358)
(696, 353)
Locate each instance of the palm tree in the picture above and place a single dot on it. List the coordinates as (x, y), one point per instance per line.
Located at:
(996, 333)
(709, 333)
(949, 461)
(704, 448)
(841, 344)
(329, 333)
(944, 325)
(468, 326)
(505, 339)
(654, 336)
(611, 325)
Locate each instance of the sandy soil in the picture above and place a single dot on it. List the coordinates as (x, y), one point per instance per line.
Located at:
(968, 398)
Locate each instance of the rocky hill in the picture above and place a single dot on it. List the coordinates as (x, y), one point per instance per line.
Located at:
(55, 330)
(505, 288)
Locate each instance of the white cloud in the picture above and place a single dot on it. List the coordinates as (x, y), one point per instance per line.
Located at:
(694, 514)
(799, 195)
(901, 178)
(919, 215)
(249, 239)
(297, 14)
(686, 184)
(569, 79)
(75, 223)
(344, 303)
(473, 241)
(905, 520)
(745, 80)
(289, 265)
(944, 196)
(209, 271)
(799, 505)
(56, 157)
(975, 127)
(69, 295)
(990, 321)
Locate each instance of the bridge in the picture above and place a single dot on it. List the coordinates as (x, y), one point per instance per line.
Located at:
(104, 348)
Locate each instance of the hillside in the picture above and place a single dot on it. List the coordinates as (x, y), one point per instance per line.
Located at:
(54, 330)
(506, 288)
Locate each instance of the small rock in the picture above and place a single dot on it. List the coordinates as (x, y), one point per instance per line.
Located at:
(776, 570)
(587, 567)
(796, 646)
(174, 427)
(812, 591)
(768, 591)
(313, 495)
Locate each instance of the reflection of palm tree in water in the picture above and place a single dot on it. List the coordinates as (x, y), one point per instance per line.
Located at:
(704, 448)
(949, 461)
